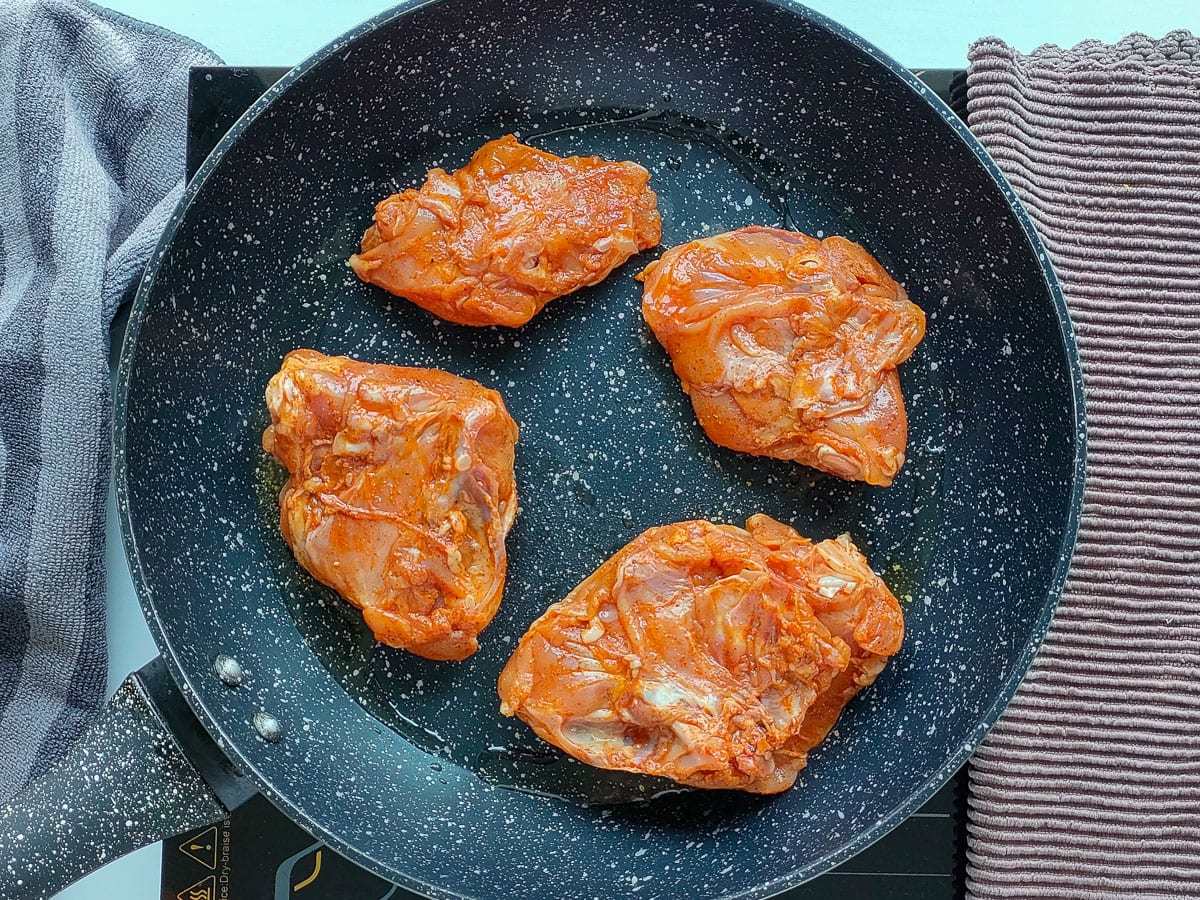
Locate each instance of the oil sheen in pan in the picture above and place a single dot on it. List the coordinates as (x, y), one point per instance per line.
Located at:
(709, 180)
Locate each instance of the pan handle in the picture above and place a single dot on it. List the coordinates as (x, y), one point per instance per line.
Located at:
(145, 771)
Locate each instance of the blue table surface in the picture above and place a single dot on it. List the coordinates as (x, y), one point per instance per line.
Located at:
(929, 33)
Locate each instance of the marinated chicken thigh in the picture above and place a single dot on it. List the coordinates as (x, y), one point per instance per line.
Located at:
(514, 228)
(788, 346)
(400, 493)
(710, 654)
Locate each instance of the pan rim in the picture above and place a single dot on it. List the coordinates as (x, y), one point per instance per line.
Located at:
(916, 797)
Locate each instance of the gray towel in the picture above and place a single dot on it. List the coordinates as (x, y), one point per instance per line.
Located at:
(1089, 786)
(92, 135)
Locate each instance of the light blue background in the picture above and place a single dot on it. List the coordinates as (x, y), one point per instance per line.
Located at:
(928, 33)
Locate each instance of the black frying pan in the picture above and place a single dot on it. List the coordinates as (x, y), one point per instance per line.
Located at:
(745, 111)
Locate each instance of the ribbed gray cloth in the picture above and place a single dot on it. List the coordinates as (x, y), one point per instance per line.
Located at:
(92, 134)
(1089, 786)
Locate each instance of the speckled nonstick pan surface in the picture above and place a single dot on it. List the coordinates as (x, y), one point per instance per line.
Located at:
(744, 112)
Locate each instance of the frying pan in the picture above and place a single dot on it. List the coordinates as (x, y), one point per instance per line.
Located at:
(745, 111)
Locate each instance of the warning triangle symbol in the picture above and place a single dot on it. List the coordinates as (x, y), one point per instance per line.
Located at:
(202, 847)
(204, 889)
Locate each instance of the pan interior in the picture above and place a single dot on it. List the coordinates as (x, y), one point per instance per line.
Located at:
(749, 112)
(600, 411)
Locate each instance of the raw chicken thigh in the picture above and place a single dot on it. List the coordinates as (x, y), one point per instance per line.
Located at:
(494, 242)
(710, 654)
(400, 494)
(788, 346)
